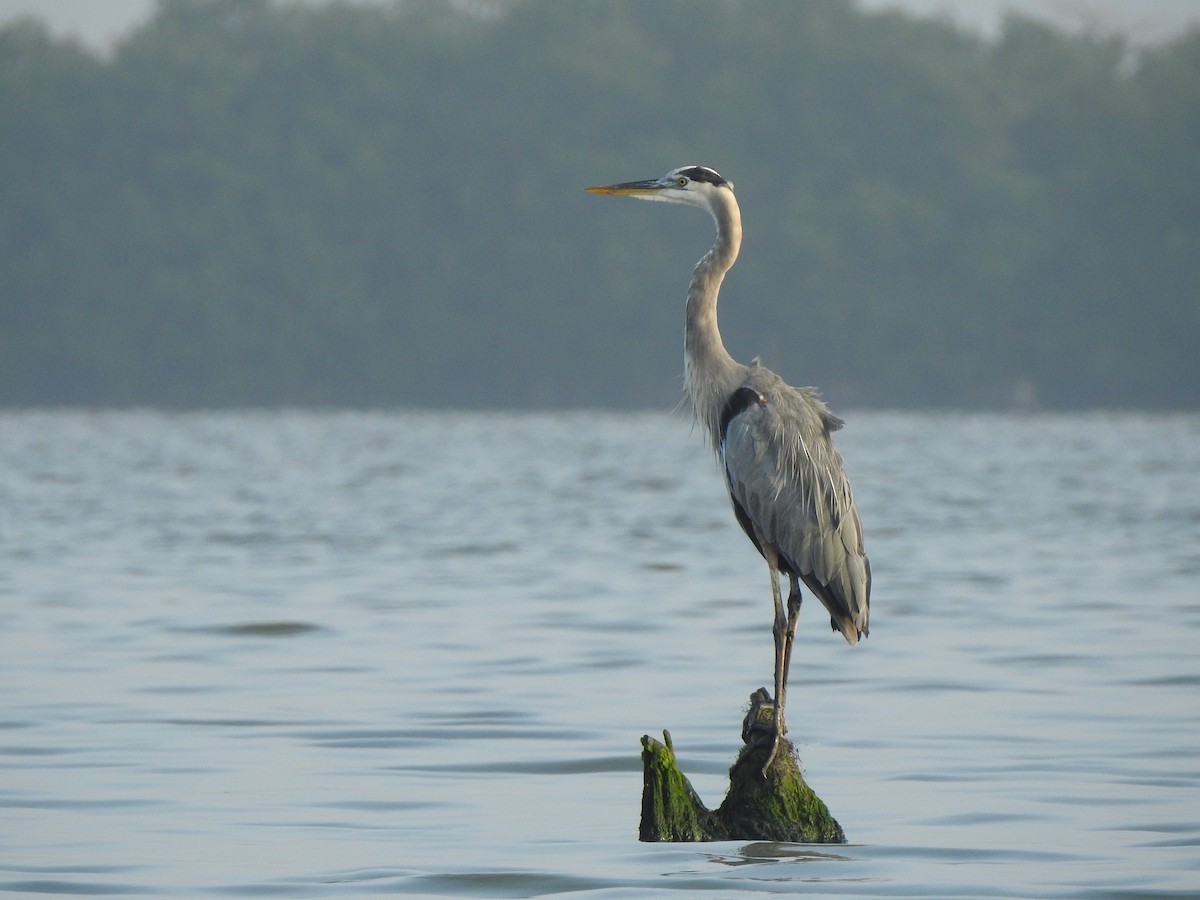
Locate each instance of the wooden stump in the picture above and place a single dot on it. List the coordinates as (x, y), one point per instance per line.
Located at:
(775, 806)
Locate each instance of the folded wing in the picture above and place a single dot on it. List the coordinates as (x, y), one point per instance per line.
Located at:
(790, 493)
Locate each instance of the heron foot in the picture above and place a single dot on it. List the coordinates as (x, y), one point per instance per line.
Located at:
(764, 724)
(774, 752)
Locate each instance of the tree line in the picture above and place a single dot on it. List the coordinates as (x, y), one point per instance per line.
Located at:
(257, 203)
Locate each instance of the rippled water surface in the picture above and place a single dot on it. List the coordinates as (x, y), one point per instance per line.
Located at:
(325, 654)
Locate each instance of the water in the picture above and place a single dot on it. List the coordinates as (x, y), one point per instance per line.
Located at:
(313, 655)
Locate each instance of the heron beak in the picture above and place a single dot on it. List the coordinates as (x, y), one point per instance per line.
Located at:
(628, 188)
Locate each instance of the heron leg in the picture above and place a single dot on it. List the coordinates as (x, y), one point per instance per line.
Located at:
(782, 650)
(789, 638)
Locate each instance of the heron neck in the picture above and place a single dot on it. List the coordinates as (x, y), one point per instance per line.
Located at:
(709, 370)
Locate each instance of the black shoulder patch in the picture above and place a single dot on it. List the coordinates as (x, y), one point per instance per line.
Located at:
(739, 401)
(704, 173)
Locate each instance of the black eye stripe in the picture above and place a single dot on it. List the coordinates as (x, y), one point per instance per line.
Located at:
(703, 173)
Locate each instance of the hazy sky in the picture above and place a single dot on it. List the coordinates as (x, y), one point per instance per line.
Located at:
(100, 22)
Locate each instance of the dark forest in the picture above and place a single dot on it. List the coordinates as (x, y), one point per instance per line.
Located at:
(251, 204)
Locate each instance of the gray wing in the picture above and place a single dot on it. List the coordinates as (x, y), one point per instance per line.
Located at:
(790, 494)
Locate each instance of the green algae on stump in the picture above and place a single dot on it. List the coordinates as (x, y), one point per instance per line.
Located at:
(779, 806)
(671, 810)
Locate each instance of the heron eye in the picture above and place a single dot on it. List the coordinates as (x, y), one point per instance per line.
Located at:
(682, 182)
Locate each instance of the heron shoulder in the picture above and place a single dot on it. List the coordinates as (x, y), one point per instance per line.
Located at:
(798, 409)
(776, 445)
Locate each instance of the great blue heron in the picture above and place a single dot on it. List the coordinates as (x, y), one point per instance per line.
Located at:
(784, 476)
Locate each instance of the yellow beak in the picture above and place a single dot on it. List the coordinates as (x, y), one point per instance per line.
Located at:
(628, 188)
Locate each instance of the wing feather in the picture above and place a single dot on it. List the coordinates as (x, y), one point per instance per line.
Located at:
(786, 480)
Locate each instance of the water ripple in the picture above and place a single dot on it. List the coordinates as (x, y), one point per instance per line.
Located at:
(278, 654)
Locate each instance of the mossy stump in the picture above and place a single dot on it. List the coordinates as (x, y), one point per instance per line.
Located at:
(775, 806)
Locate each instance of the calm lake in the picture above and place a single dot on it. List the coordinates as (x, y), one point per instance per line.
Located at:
(350, 654)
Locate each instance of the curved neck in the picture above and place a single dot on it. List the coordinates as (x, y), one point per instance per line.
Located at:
(709, 370)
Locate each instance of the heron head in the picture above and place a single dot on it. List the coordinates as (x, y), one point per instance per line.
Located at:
(693, 185)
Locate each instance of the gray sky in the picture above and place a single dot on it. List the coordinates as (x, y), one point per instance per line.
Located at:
(1143, 21)
(100, 22)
